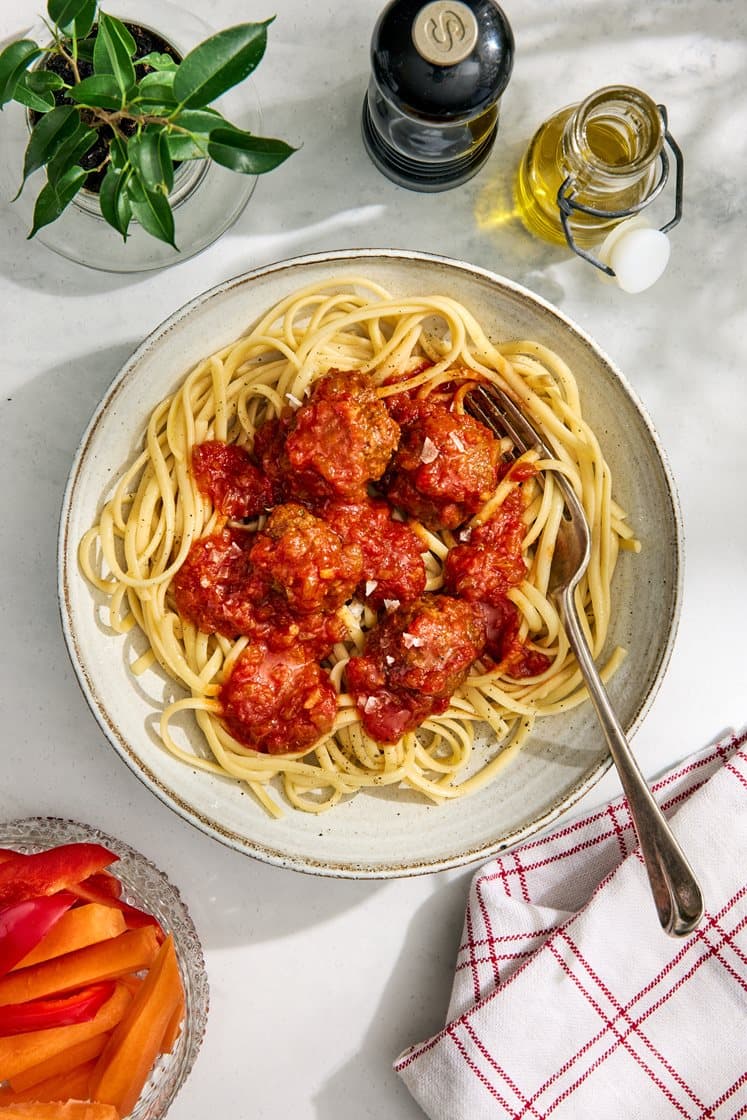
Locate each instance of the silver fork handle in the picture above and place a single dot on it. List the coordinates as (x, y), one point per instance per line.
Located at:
(677, 895)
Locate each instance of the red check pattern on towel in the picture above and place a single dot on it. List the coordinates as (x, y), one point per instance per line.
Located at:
(570, 1002)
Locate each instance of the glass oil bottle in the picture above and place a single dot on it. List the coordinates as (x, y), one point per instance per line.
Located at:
(593, 165)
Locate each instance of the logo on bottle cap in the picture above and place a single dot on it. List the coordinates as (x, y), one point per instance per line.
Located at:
(444, 32)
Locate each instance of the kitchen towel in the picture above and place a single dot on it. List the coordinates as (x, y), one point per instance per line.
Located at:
(569, 1001)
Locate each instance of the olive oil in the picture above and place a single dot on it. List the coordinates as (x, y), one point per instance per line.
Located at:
(607, 148)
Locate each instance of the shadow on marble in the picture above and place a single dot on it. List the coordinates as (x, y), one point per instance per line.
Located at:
(412, 1007)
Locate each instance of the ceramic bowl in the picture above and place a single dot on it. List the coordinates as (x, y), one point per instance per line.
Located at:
(387, 832)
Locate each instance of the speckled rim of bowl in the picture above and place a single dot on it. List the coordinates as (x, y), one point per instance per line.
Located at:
(266, 852)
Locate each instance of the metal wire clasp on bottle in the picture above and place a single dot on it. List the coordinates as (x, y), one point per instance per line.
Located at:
(568, 201)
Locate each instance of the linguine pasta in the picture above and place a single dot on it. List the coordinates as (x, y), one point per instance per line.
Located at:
(155, 513)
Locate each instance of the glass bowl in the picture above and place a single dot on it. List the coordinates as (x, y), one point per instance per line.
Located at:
(144, 886)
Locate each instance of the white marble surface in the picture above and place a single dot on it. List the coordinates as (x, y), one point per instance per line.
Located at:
(318, 984)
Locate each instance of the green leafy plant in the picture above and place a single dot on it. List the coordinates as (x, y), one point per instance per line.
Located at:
(106, 118)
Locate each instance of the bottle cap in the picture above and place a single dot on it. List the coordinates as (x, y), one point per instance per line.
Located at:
(443, 60)
(636, 253)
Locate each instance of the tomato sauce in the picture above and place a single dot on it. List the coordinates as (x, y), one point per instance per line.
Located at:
(414, 661)
(335, 476)
(278, 702)
(392, 552)
(226, 474)
(214, 588)
(305, 560)
(485, 566)
(483, 569)
(445, 466)
(336, 442)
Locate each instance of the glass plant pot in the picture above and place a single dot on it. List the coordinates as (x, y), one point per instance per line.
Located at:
(206, 198)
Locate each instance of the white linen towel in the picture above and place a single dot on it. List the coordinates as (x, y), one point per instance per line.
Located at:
(569, 1001)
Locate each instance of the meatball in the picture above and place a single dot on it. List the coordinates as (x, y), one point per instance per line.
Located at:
(432, 641)
(304, 559)
(445, 467)
(414, 661)
(269, 442)
(393, 565)
(503, 646)
(215, 588)
(491, 561)
(277, 702)
(336, 442)
(226, 474)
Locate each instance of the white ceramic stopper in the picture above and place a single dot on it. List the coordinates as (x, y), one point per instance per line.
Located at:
(636, 253)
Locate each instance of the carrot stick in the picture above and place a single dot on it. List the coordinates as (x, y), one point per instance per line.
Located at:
(70, 1084)
(22, 1051)
(173, 1028)
(106, 960)
(58, 1110)
(74, 1056)
(74, 930)
(123, 1066)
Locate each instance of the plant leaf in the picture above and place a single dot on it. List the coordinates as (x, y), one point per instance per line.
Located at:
(16, 58)
(34, 89)
(114, 200)
(54, 197)
(70, 151)
(25, 94)
(187, 145)
(86, 48)
(152, 210)
(101, 90)
(157, 61)
(46, 138)
(192, 143)
(246, 153)
(114, 56)
(149, 154)
(41, 80)
(118, 152)
(220, 62)
(200, 120)
(65, 12)
(83, 23)
(157, 88)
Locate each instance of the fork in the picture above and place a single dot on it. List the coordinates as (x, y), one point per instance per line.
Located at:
(677, 895)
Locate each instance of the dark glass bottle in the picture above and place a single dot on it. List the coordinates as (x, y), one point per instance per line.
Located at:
(438, 71)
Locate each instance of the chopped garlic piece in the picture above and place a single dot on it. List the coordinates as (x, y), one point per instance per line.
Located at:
(429, 451)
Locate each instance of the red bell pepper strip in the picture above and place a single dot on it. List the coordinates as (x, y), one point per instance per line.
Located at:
(23, 925)
(91, 890)
(106, 882)
(58, 1011)
(57, 869)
